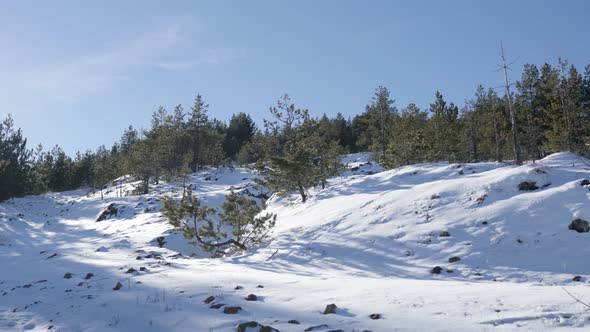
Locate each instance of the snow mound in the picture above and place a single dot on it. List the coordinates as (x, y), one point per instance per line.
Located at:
(367, 243)
(390, 224)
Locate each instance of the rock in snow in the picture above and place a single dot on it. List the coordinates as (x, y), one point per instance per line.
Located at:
(580, 226)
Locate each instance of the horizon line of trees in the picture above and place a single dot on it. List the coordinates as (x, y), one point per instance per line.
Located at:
(295, 151)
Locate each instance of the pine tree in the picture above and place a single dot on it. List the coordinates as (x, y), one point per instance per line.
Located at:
(293, 169)
(197, 127)
(15, 160)
(250, 226)
(373, 128)
(531, 115)
(61, 174)
(445, 129)
(240, 131)
(409, 144)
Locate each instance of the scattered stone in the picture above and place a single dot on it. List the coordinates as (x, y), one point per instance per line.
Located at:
(434, 196)
(138, 258)
(118, 286)
(81, 283)
(460, 172)
(50, 257)
(238, 287)
(231, 310)
(209, 299)
(519, 240)
(143, 269)
(102, 249)
(585, 182)
(580, 226)
(131, 270)
(454, 259)
(354, 169)
(477, 274)
(527, 186)
(330, 309)
(450, 271)
(259, 286)
(484, 222)
(444, 234)
(109, 211)
(251, 297)
(89, 276)
(261, 328)
(577, 278)
(375, 316)
(216, 305)
(546, 185)
(481, 199)
(244, 326)
(68, 275)
(436, 270)
(294, 321)
(27, 286)
(313, 328)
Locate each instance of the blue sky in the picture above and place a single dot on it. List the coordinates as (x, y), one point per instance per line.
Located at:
(77, 73)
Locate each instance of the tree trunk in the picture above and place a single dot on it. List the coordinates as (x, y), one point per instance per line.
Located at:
(515, 143)
(302, 193)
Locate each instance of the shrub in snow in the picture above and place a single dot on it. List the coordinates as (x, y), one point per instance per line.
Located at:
(243, 214)
(580, 226)
(527, 186)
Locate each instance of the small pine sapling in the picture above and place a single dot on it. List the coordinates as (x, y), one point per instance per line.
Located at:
(250, 226)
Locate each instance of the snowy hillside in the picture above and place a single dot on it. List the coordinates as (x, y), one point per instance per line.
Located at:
(425, 247)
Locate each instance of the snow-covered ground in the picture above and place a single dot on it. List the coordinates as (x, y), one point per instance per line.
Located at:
(367, 243)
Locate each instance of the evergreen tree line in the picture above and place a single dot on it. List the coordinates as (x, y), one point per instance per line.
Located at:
(296, 151)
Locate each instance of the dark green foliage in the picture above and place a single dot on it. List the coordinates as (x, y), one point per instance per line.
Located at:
(240, 131)
(304, 157)
(296, 152)
(195, 221)
(250, 227)
(206, 136)
(193, 218)
(14, 160)
(373, 128)
(410, 143)
(444, 129)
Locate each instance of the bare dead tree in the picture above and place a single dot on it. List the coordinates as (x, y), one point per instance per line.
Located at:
(515, 143)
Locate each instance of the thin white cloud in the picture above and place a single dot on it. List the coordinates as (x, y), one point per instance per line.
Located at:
(213, 56)
(171, 46)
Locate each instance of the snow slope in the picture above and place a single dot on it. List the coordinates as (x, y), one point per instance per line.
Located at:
(367, 243)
